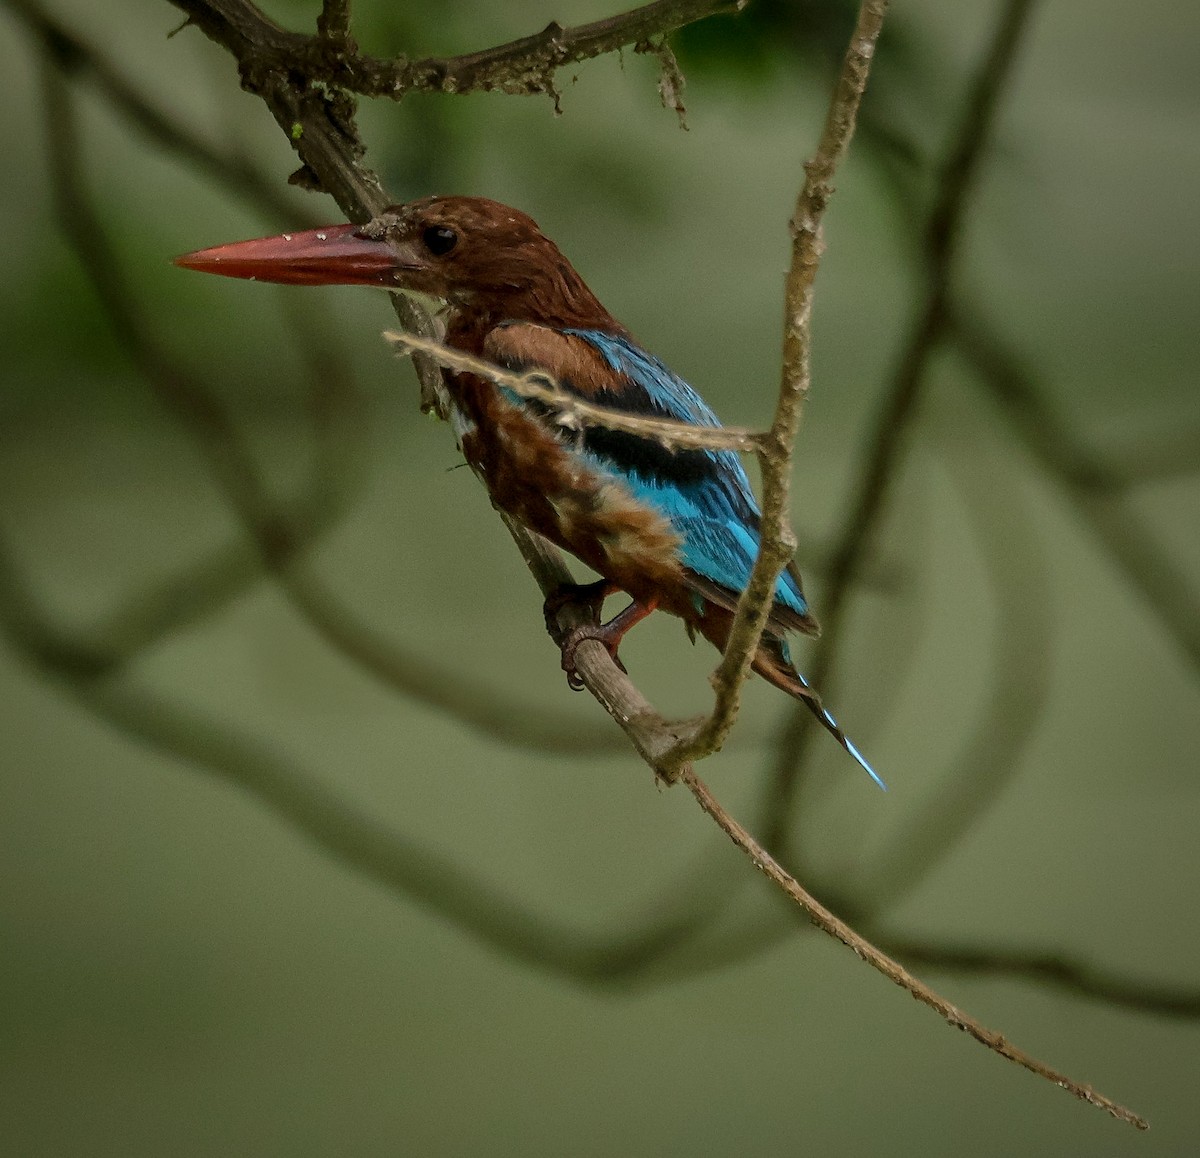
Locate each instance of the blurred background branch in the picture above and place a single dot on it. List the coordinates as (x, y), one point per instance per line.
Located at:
(890, 433)
(967, 536)
(280, 544)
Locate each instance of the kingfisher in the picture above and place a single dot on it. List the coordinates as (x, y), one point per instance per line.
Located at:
(675, 530)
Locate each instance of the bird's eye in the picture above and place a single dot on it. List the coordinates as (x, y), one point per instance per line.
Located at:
(439, 240)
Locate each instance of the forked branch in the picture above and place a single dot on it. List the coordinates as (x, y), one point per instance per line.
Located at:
(327, 142)
(523, 66)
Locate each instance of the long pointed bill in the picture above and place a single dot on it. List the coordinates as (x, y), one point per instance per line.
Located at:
(335, 255)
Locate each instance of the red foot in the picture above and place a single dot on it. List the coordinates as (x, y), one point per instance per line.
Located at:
(610, 634)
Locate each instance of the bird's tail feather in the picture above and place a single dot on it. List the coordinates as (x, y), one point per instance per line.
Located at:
(774, 667)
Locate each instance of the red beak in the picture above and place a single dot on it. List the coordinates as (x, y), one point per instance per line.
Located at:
(335, 255)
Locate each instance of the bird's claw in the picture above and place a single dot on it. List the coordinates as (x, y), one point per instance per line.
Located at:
(602, 633)
(589, 595)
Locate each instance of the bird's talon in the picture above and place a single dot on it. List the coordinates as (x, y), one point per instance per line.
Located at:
(588, 595)
(601, 634)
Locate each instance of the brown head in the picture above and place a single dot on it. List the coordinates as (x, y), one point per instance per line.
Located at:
(486, 259)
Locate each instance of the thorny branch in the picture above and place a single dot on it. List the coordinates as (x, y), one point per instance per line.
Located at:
(360, 195)
(778, 540)
(522, 66)
(280, 543)
(330, 155)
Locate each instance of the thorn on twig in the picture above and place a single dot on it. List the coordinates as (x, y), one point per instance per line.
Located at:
(305, 178)
(333, 26)
(671, 81)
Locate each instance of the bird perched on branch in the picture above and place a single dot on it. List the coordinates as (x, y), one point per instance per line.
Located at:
(675, 529)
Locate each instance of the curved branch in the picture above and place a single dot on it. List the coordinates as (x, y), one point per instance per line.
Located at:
(1021, 661)
(281, 544)
(888, 439)
(523, 66)
(1091, 486)
(1074, 976)
(350, 836)
(891, 969)
(74, 54)
(338, 151)
(775, 453)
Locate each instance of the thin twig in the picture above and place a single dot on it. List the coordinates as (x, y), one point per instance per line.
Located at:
(888, 439)
(335, 163)
(231, 171)
(281, 544)
(778, 542)
(571, 411)
(893, 970)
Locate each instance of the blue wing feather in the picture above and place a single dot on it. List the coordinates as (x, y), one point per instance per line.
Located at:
(705, 495)
(713, 509)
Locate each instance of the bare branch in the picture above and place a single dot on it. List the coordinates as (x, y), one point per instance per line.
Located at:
(1050, 968)
(523, 66)
(279, 543)
(1055, 969)
(888, 439)
(303, 800)
(893, 970)
(1021, 663)
(775, 454)
(334, 162)
(574, 413)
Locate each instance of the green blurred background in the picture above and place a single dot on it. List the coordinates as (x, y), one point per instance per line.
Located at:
(256, 900)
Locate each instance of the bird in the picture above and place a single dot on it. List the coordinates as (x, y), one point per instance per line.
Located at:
(676, 530)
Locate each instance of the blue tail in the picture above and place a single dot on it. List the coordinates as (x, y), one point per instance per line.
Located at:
(818, 709)
(778, 669)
